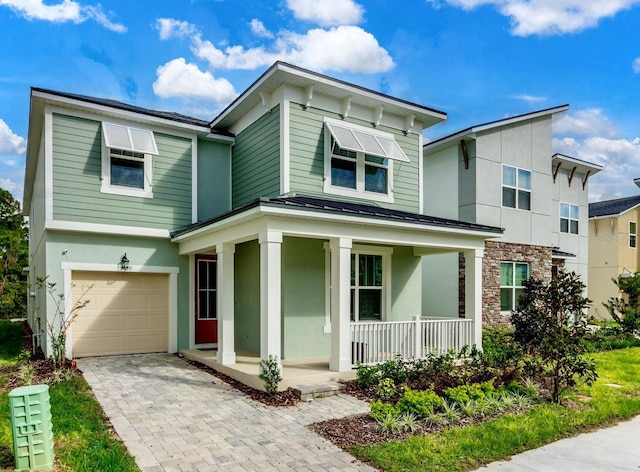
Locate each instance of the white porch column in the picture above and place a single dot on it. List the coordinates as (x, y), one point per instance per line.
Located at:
(473, 291)
(225, 304)
(340, 304)
(270, 294)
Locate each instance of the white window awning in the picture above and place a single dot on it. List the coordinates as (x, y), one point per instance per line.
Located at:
(365, 140)
(129, 139)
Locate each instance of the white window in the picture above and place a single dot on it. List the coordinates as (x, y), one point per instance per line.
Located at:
(569, 217)
(512, 275)
(516, 188)
(633, 234)
(359, 161)
(370, 284)
(127, 166)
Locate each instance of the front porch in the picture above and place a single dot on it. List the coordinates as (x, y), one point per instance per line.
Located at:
(371, 343)
(336, 282)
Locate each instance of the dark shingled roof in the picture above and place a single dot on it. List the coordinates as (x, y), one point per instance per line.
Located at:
(357, 210)
(555, 252)
(613, 207)
(168, 115)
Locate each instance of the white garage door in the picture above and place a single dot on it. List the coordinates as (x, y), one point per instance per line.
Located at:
(127, 313)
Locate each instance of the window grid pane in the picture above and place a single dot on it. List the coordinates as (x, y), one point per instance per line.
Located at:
(343, 173)
(127, 172)
(524, 179)
(509, 176)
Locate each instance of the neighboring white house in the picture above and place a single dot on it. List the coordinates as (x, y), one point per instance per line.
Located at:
(503, 174)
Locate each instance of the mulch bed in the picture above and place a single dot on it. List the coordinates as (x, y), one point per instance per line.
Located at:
(286, 398)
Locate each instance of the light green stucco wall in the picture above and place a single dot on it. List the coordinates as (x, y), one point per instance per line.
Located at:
(103, 249)
(247, 297)
(214, 179)
(406, 284)
(77, 149)
(256, 160)
(307, 158)
(303, 300)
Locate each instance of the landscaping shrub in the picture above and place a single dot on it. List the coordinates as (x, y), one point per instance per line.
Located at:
(420, 403)
(625, 310)
(500, 348)
(379, 410)
(464, 393)
(10, 338)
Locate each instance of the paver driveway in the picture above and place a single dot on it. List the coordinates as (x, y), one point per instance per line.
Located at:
(175, 417)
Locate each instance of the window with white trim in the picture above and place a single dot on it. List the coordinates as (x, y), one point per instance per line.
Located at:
(512, 276)
(206, 287)
(369, 287)
(359, 161)
(633, 234)
(127, 166)
(569, 218)
(516, 188)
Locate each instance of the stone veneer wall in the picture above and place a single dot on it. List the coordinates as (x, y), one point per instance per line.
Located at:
(495, 252)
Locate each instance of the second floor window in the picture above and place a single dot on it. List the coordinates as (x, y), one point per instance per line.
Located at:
(516, 188)
(359, 160)
(633, 234)
(127, 167)
(569, 217)
(358, 171)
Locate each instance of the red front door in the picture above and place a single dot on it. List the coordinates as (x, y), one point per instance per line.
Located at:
(206, 299)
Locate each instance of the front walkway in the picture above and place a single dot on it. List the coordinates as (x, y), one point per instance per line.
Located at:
(175, 417)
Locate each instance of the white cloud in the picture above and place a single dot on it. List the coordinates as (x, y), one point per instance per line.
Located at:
(529, 98)
(67, 10)
(327, 12)
(11, 143)
(8, 184)
(179, 79)
(258, 28)
(549, 17)
(587, 122)
(619, 157)
(343, 48)
(636, 65)
(170, 28)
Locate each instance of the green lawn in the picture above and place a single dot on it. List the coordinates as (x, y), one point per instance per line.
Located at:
(81, 437)
(465, 448)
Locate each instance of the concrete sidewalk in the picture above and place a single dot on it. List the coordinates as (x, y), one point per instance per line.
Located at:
(614, 449)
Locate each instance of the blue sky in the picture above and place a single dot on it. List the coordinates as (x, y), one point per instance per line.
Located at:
(477, 60)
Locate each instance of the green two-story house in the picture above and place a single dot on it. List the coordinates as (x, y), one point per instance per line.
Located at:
(291, 225)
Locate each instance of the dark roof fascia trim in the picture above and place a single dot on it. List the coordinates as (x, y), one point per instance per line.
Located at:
(266, 202)
(280, 65)
(497, 123)
(169, 119)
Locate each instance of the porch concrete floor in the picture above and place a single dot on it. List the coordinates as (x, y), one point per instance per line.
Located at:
(294, 373)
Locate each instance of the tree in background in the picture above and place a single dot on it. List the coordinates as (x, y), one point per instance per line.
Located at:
(550, 326)
(626, 309)
(14, 256)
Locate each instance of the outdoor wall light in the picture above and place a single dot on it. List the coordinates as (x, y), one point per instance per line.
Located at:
(124, 263)
(626, 273)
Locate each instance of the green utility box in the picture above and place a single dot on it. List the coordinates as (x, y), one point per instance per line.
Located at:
(32, 431)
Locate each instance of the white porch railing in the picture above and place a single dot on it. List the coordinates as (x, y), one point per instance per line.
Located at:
(373, 342)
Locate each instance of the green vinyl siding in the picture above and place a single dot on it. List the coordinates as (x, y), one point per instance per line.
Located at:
(306, 161)
(256, 160)
(214, 179)
(77, 169)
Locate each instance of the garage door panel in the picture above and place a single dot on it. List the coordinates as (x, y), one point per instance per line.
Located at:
(127, 313)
